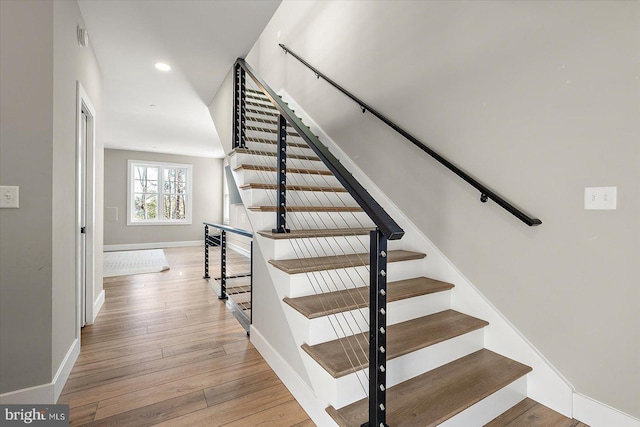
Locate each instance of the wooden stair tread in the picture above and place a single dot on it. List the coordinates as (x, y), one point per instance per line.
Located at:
(302, 234)
(275, 142)
(307, 208)
(307, 265)
(292, 187)
(269, 121)
(434, 397)
(274, 154)
(264, 103)
(289, 170)
(531, 414)
(346, 355)
(257, 128)
(269, 113)
(313, 306)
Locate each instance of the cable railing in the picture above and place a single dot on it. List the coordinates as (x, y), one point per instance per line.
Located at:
(486, 193)
(236, 274)
(305, 201)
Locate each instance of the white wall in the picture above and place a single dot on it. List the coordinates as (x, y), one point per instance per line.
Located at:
(536, 99)
(41, 62)
(26, 151)
(71, 63)
(207, 199)
(221, 110)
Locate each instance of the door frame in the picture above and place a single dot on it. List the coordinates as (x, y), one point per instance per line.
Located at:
(84, 104)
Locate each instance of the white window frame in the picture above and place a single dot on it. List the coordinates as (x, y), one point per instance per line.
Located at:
(131, 164)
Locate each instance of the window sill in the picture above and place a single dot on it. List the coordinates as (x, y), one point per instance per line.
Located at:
(135, 223)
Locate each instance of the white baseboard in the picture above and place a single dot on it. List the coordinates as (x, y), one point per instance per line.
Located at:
(155, 245)
(97, 305)
(60, 379)
(40, 394)
(298, 388)
(44, 394)
(239, 249)
(597, 414)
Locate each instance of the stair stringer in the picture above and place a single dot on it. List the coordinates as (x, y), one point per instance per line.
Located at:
(545, 383)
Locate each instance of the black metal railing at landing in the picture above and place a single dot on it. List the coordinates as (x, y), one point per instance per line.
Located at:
(485, 192)
(221, 240)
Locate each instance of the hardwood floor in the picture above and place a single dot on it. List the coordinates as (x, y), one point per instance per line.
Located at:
(165, 351)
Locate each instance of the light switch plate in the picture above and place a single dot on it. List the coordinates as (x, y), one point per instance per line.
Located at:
(9, 196)
(600, 198)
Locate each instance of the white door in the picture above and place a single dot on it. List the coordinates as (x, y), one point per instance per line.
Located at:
(85, 209)
(82, 176)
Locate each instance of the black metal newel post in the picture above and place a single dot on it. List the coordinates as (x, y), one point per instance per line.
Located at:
(378, 331)
(251, 283)
(281, 213)
(223, 265)
(239, 112)
(206, 252)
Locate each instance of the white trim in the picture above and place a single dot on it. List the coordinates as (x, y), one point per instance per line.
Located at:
(161, 166)
(39, 394)
(155, 245)
(242, 251)
(60, 379)
(597, 414)
(45, 393)
(83, 102)
(97, 305)
(296, 385)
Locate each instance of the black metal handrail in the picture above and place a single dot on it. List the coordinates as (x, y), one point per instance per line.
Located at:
(240, 231)
(389, 228)
(485, 192)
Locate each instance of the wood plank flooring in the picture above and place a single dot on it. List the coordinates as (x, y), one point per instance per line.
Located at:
(165, 351)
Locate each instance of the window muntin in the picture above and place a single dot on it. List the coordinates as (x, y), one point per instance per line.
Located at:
(159, 193)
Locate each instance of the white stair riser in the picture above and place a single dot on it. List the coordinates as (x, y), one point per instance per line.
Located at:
(348, 389)
(311, 220)
(261, 176)
(271, 161)
(268, 131)
(271, 147)
(491, 406)
(334, 280)
(339, 325)
(260, 104)
(325, 246)
(263, 197)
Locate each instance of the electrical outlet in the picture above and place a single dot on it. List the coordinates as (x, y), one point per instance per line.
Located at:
(9, 196)
(600, 198)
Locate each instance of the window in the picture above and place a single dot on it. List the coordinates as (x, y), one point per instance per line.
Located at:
(158, 193)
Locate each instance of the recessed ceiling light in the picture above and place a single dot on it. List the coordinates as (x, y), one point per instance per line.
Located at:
(162, 66)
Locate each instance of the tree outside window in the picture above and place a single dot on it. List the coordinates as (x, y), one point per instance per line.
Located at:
(159, 193)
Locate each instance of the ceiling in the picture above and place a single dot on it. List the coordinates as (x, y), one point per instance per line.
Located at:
(150, 110)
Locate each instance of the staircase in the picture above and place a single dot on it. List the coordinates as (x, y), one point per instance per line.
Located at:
(438, 371)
